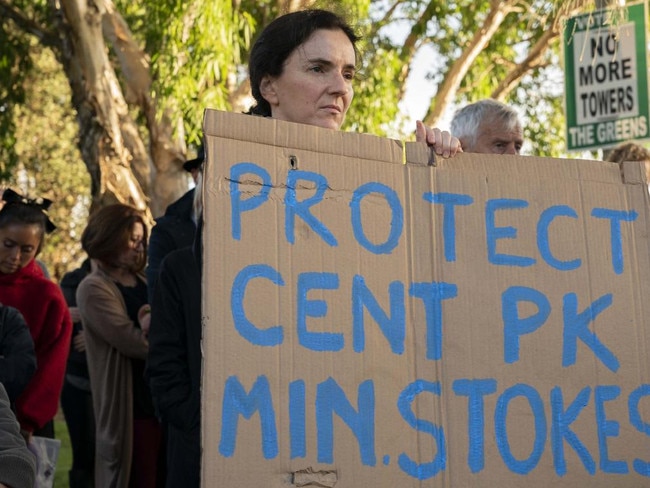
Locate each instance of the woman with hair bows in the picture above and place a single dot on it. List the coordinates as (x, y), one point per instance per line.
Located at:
(23, 225)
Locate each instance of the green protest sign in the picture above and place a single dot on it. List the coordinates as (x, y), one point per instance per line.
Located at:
(606, 79)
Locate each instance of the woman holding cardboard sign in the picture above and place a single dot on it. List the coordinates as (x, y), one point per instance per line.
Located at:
(302, 69)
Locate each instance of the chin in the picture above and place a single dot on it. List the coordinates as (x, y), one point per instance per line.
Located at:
(329, 124)
(9, 269)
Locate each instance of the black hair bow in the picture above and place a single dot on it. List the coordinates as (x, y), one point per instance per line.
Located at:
(9, 196)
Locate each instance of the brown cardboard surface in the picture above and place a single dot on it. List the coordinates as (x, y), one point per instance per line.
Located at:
(370, 323)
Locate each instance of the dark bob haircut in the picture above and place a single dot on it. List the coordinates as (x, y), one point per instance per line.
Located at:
(108, 233)
(280, 38)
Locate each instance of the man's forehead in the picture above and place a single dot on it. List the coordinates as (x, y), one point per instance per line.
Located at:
(498, 129)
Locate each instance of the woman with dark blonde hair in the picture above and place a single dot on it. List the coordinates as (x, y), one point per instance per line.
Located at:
(112, 302)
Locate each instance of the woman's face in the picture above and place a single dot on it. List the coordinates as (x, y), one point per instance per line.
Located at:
(131, 257)
(315, 86)
(18, 246)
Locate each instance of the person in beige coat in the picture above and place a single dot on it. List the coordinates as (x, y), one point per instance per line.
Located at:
(17, 462)
(112, 301)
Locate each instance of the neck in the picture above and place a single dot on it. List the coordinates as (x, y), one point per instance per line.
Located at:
(120, 274)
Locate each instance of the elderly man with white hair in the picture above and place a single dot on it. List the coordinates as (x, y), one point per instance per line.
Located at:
(488, 127)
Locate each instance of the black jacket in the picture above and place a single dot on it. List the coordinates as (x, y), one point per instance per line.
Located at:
(174, 230)
(174, 363)
(77, 363)
(17, 356)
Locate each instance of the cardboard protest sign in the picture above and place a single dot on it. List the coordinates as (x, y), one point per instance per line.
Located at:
(370, 322)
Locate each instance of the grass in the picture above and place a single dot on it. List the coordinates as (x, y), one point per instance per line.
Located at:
(65, 454)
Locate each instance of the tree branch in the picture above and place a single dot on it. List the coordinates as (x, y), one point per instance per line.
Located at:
(376, 26)
(411, 43)
(133, 61)
(46, 37)
(535, 54)
(533, 60)
(459, 69)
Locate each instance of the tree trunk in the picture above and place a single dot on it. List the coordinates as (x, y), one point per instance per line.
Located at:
(104, 121)
(168, 181)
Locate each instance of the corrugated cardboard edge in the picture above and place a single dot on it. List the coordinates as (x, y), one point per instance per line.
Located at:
(264, 130)
(629, 172)
(340, 143)
(633, 173)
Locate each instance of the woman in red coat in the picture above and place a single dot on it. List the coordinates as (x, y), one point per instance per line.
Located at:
(23, 224)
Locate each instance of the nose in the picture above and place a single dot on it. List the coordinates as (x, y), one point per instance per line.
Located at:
(511, 149)
(136, 244)
(14, 254)
(339, 84)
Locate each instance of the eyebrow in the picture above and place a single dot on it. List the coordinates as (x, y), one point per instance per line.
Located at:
(8, 240)
(329, 63)
(507, 141)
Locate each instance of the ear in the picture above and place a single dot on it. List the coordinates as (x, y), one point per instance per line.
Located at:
(465, 143)
(267, 89)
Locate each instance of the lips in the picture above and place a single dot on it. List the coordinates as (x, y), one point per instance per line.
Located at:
(333, 108)
(9, 268)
